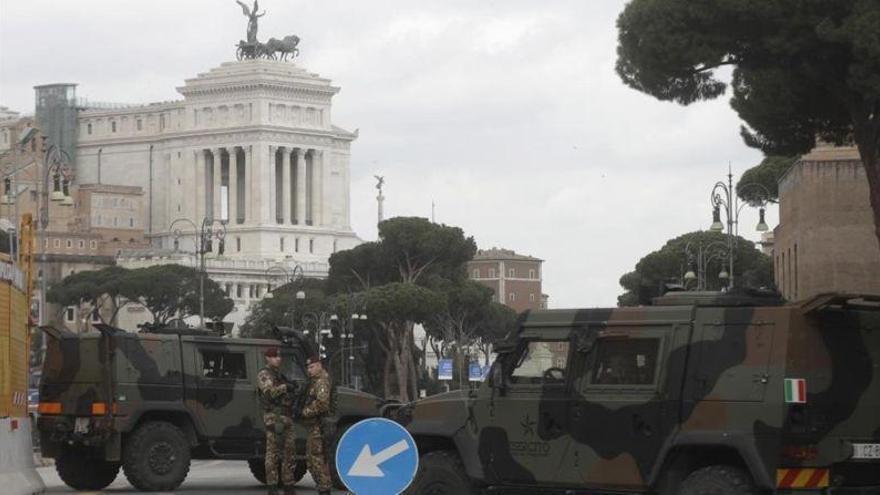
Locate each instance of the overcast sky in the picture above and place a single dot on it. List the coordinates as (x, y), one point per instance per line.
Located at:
(507, 114)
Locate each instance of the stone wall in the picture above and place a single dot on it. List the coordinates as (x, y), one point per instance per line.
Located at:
(825, 240)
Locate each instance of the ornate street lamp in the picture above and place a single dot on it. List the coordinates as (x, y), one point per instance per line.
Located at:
(724, 198)
(699, 256)
(203, 241)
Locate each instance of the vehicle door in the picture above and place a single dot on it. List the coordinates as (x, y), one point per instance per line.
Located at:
(524, 426)
(226, 394)
(620, 408)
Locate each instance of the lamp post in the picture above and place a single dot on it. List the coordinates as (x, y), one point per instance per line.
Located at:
(724, 196)
(203, 242)
(699, 257)
(321, 328)
(292, 276)
(346, 326)
(55, 163)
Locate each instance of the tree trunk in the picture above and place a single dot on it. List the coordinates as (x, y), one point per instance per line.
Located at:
(386, 376)
(866, 131)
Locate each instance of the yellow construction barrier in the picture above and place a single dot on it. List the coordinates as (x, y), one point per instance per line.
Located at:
(17, 472)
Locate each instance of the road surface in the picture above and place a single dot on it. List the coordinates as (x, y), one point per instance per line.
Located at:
(205, 477)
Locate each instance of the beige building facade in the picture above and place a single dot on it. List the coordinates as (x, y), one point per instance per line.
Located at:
(825, 240)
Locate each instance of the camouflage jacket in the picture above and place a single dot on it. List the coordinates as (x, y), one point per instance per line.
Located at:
(317, 398)
(274, 398)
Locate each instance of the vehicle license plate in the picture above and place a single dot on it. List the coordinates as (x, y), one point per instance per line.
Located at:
(81, 425)
(866, 451)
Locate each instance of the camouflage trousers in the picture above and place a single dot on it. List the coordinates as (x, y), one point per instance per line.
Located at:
(280, 449)
(317, 460)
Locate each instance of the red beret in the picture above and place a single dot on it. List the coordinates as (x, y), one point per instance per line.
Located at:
(272, 352)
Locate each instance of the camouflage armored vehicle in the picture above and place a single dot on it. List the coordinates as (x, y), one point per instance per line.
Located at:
(698, 394)
(151, 402)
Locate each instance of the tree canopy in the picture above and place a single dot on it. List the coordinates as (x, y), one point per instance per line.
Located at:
(167, 291)
(802, 71)
(752, 268)
(408, 276)
(767, 175)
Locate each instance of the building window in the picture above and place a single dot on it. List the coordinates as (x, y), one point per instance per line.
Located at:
(296, 245)
(140, 124)
(69, 244)
(69, 314)
(531, 298)
(491, 273)
(57, 243)
(82, 244)
(131, 222)
(511, 273)
(335, 245)
(311, 245)
(282, 245)
(511, 297)
(89, 128)
(228, 290)
(238, 291)
(251, 291)
(112, 126)
(162, 122)
(93, 244)
(115, 221)
(532, 274)
(238, 244)
(475, 273)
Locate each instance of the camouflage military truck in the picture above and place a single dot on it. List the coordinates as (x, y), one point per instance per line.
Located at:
(151, 402)
(698, 394)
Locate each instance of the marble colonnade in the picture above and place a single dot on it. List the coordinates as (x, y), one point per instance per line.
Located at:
(226, 182)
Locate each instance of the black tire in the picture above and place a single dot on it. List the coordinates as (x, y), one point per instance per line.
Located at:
(80, 472)
(718, 480)
(258, 469)
(441, 473)
(331, 458)
(156, 457)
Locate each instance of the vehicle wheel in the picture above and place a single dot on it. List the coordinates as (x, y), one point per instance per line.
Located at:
(441, 473)
(718, 480)
(258, 469)
(331, 459)
(156, 457)
(80, 472)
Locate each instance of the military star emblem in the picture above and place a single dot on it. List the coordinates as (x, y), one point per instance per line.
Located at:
(528, 425)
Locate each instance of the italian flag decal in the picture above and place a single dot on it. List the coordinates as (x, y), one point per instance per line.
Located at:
(795, 391)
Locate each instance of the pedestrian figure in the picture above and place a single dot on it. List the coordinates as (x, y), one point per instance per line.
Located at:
(276, 398)
(317, 405)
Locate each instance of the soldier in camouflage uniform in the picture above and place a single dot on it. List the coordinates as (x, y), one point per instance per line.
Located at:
(317, 406)
(276, 399)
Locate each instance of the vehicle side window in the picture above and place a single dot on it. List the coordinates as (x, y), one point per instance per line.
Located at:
(224, 365)
(541, 362)
(625, 361)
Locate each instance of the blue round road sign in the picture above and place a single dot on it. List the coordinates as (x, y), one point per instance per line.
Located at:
(377, 457)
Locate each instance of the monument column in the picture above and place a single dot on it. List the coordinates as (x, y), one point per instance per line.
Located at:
(300, 217)
(250, 208)
(199, 180)
(317, 187)
(264, 188)
(233, 185)
(215, 186)
(285, 186)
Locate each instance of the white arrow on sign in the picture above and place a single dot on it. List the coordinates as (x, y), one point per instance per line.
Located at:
(367, 464)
